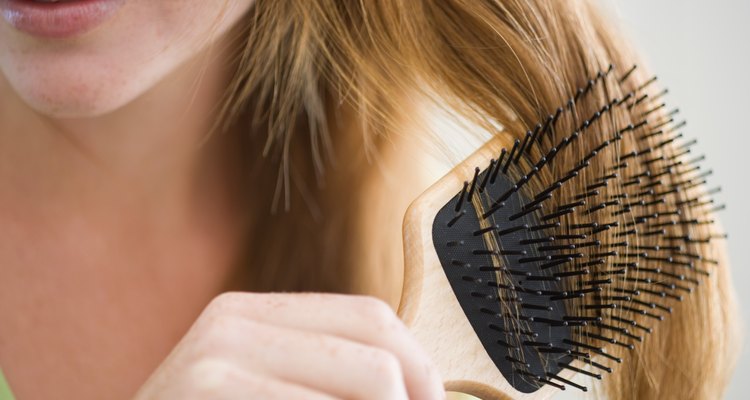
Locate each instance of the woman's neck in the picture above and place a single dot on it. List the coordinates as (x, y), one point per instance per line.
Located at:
(150, 153)
(122, 225)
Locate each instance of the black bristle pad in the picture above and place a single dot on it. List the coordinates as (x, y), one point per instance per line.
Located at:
(459, 243)
(590, 230)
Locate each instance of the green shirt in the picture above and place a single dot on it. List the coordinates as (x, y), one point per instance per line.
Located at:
(5, 393)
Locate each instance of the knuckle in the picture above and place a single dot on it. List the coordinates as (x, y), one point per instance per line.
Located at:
(220, 332)
(378, 311)
(386, 366)
(226, 301)
(211, 374)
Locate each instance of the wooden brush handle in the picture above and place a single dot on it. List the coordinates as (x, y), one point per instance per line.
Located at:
(429, 307)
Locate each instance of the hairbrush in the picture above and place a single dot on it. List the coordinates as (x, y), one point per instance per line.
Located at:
(539, 261)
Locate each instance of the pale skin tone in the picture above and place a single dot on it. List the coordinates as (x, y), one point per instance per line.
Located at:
(120, 232)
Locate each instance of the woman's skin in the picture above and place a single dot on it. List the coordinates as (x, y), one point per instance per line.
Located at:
(120, 225)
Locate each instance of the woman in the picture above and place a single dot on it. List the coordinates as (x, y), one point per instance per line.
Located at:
(155, 155)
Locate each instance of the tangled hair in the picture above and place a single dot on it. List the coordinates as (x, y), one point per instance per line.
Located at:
(333, 82)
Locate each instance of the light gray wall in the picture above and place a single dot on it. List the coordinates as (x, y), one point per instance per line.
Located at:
(701, 51)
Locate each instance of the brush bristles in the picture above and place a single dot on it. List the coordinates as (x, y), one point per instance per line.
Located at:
(602, 244)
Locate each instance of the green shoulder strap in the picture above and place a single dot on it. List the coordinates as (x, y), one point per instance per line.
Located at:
(5, 393)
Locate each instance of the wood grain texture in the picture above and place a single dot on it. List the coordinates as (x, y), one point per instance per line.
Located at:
(430, 308)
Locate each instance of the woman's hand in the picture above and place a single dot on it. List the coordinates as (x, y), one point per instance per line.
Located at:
(295, 346)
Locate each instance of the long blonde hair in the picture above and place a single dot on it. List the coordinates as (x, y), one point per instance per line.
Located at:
(328, 81)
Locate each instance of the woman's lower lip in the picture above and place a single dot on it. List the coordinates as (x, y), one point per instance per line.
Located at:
(60, 19)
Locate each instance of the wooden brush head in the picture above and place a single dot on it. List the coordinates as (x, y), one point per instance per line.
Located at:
(550, 256)
(430, 307)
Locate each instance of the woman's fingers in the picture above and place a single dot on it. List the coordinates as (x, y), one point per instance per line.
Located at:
(220, 379)
(296, 346)
(356, 318)
(317, 361)
(224, 381)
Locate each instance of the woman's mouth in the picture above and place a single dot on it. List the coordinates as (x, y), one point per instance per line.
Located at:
(57, 18)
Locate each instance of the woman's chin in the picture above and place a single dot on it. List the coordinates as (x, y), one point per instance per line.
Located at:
(69, 108)
(106, 68)
(74, 99)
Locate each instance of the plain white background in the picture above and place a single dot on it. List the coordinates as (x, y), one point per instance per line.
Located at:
(701, 51)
